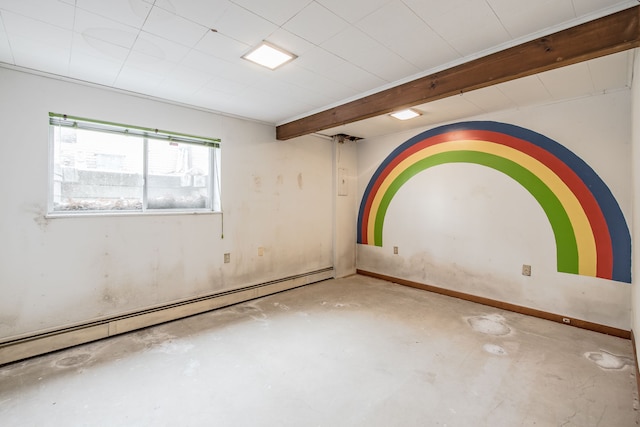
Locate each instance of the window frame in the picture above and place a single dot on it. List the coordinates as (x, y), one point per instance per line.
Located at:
(145, 134)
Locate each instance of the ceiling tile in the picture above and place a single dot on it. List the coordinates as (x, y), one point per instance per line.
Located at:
(585, 7)
(284, 110)
(290, 42)
(205, 13)
(316, 24)
(354, 10)
(88, 47)
(525, 91)
(177, 90)
(244, 26)
(93, 69)
(431, 9)
(402, 31)
(225, 86)
(239, 71)
(160, 48)
(99, 48)
(38, 55)
(221, 46)
(6, 55)
(284, 91)
(52, 12)
(5, 49)
(249, 104)
(212, 99)
(468, 26)
(612, 71)
(187, 77)
(489, 99)
(148, 63)
(283, 105)
(451, 108)
(205, 63)
(524, 17)
(129, 12)
(356, 47)
(568, 82)
(321, 90)
(101, 28)
(173, 27)
(137, 80)
(36, 31)
(333, 67)
(182, 86)
(276, 11)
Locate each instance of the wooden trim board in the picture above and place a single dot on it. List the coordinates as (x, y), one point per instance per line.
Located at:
(610, 34)
(578, 323)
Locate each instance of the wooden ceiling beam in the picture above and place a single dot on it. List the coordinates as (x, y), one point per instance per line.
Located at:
(603, 36)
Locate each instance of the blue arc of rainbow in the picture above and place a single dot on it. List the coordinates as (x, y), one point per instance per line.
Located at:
(591, 234)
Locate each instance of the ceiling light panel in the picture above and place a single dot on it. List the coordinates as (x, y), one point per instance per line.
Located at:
(405, 114)
(269, 56)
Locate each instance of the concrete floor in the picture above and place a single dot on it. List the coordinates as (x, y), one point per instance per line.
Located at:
(355, 351)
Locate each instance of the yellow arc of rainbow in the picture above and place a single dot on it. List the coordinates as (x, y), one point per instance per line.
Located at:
(585, 240)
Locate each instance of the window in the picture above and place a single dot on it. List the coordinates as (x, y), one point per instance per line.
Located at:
(106, 167)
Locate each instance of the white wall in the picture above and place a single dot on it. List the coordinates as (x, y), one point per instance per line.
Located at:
(470, 228)
(346, 208)
(61, 271)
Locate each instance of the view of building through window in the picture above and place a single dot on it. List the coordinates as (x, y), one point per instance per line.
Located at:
(105, 171)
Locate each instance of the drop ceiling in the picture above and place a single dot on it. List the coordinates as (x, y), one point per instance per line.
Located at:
(190, 51)
(601, 75)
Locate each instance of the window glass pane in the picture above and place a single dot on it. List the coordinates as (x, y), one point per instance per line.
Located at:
(178, 176)
(101, 167)
(96, 171)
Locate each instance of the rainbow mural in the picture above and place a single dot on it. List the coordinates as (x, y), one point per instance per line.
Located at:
(591, 234)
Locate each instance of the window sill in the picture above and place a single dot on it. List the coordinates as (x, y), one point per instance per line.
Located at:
(55, 215)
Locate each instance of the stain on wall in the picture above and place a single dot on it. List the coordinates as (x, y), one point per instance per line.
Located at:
(591, 234)
(257, 183)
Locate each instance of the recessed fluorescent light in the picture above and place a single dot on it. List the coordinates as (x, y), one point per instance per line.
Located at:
(269, 56)
(405, 114)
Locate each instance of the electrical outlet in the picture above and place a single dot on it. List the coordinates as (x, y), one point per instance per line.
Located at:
(566, 320)
(526, 270)
(227, 258)
(260, 251)
(395, 250)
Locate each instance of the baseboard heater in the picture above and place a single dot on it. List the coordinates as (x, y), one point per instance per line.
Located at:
(22, 347)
